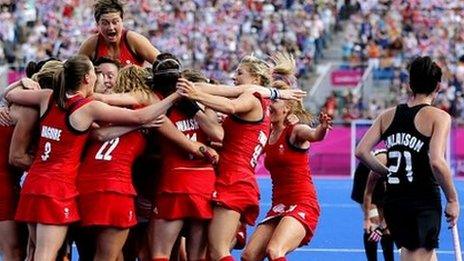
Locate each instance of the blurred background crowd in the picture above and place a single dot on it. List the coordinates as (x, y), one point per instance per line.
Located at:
(388, 34)
(214, 34)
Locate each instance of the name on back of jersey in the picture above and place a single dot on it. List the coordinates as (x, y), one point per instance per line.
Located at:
(187, 125)
(51, 133)
(404, 139)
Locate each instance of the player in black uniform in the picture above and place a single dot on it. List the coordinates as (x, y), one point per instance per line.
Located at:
(375, 228)
(415, 135)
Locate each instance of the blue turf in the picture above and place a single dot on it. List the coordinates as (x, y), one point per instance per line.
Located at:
(339, 233)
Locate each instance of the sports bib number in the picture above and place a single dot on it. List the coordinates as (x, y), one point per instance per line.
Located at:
(47, 151)
(104, 153)
(262, 139)
(398, 156)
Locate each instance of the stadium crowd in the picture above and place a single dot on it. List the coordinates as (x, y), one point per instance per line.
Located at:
(388, 34)
(211, 35)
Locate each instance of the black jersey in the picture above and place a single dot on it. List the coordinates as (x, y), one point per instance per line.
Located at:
(410, 178)
(360, 181)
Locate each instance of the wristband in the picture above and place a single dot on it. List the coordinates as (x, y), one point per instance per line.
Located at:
(373, 213)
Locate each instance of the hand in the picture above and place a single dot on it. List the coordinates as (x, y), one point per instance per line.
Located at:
(29, 84)
(292, 94)
(187, 89)
(452, 213)
(156, 123)
(210, 154)
(292, 119)
(5, 118)
(325, 121)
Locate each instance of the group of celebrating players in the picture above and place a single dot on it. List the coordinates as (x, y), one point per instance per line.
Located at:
(158, 163)
(121, 157)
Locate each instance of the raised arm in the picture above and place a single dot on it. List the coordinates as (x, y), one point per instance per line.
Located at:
(440, 168)
(26, 121)
(303, 132)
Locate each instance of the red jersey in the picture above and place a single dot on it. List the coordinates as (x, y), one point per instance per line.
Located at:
(54, 170)
(181, 172)
(242, 145)
(290, 173)
(107, 166)
(126, 55)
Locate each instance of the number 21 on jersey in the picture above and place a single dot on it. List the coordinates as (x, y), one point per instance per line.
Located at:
(393, 169)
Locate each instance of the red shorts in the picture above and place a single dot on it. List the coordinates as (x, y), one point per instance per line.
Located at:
(107, 209)
(8, 202)
(46, 210)
(240, 197)
(174, 206)
(307, 214)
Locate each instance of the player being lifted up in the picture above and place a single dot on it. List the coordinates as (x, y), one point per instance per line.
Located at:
(113, 41)
(415, 135)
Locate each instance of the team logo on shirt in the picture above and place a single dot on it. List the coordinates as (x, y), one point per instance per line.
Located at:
(281, 148)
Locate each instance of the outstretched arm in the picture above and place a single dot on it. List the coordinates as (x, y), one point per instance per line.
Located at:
(242, 104)
(235, 91)
(112, 132)
(304, 133)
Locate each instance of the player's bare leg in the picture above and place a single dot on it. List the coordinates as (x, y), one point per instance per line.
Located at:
(9, 245)
(287, 237)
(222, 231)
(49, 239)
(110, 242)
(256, 248)
(163, 235)
(420, 254)
(197, 240)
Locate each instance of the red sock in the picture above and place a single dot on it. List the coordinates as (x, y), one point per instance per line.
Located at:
(280, 259)
(227, 258)
(160, 259)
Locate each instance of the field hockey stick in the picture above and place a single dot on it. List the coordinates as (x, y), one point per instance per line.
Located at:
(456, 243)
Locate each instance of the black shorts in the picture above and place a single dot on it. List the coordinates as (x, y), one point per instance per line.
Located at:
(413, 227)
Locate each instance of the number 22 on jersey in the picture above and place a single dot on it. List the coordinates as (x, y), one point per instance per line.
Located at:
(104, 153)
